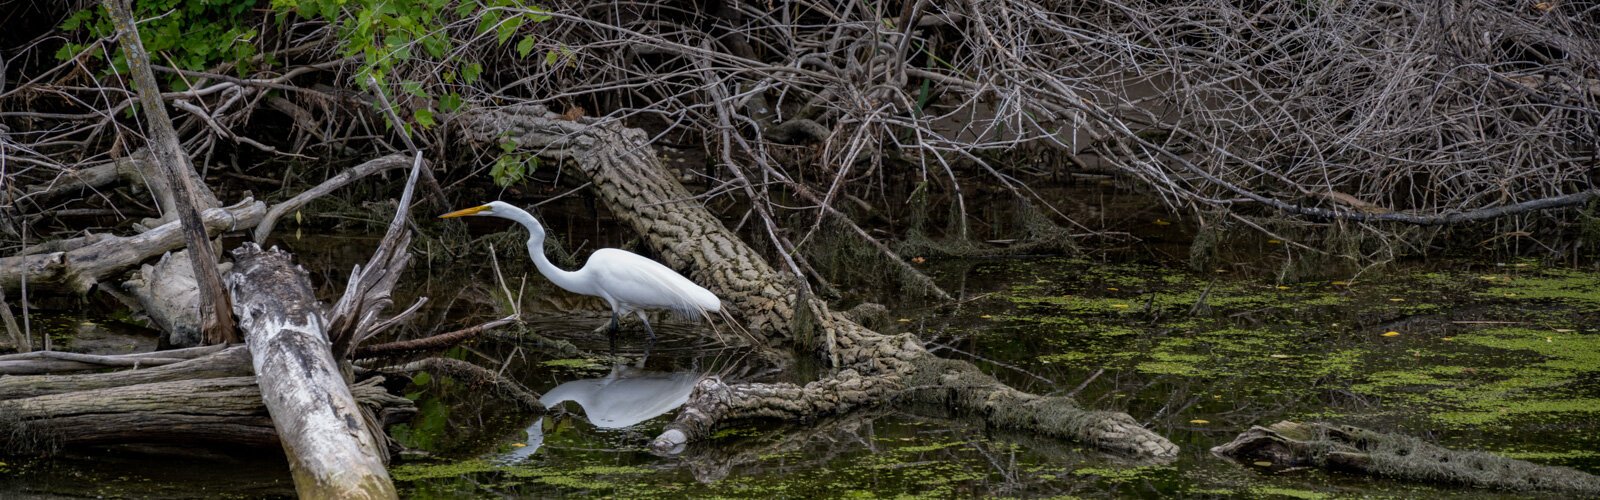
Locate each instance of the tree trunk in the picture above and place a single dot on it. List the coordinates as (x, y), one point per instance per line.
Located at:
(873, 367)
(188, 198)
(1356, 450)
(332, 451)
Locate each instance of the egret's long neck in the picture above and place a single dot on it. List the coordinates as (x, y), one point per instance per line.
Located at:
(565, 279)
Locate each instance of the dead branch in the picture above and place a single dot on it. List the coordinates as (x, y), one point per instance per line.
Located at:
(333, 183)
(429, 344)
(216, 323)
(80, 269)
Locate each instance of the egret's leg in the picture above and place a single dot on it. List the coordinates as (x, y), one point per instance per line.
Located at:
(611, 333)
(647, 329)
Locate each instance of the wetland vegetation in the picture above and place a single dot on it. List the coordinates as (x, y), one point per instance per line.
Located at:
(1022, 248)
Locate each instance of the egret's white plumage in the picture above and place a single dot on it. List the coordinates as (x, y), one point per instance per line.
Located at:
(628, 282)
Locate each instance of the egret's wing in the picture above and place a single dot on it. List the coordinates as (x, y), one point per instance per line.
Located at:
(635, 280)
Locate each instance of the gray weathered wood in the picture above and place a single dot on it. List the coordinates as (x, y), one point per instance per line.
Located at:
(332, 452)
(80, 269)
(187, 195)
(222, 410)
(170, 296)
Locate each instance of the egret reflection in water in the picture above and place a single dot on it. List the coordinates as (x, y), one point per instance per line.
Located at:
(626, 396)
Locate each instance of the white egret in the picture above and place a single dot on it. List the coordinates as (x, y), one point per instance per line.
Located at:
(628, 282)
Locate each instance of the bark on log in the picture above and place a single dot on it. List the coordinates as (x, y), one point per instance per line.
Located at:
(221, 410)
(188, 194)
(874, 368)
(1361, 451)
(332, 452)
(79, 270)
(232, 362)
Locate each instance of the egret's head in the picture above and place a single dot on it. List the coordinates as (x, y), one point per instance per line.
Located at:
(493, 208)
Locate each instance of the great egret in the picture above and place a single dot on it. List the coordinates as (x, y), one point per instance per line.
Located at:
(628, 282)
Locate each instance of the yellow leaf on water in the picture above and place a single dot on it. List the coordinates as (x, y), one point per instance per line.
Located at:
(1199, 422)
(1119, 306)
(904, 320)
(1160, 222)
(1262, 463)
(1391, 334)
(519, 445)
(1281, 287)
(1274, 242)
(1111, 289)
(1396, 299)
(1447, 339)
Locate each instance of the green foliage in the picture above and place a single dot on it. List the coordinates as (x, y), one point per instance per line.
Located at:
(188, 34)
(512, 167)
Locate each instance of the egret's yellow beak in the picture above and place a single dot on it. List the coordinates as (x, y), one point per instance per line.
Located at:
(465, 212)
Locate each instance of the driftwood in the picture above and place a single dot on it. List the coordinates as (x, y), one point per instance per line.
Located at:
(188, 192)
(211, 363)
(1360, 451)
(19, 338)
(212, 398)
(47, 362)
(873, 368)
(80, 269)
(332, 451)
(168, 293)
(221, 410)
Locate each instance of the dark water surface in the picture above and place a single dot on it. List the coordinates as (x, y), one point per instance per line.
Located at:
(1498, 356)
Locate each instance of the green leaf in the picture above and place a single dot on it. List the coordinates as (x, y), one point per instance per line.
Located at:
(423, 117)
(506, 29)
(551, 57)
(525, 46)
(450, 102)
(489, 21)
(470, 73)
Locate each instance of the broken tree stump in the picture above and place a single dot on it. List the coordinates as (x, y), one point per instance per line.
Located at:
(1361, 451)
(332, 451)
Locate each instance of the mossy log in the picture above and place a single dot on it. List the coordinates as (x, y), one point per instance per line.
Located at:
(872, 367)
(1361, 451)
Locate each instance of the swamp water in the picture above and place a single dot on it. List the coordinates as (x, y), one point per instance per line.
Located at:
(1503, 357)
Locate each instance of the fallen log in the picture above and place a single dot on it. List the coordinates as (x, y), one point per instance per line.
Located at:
(43, 362)
(231, 362)
(80, 269)
(219, 410)
(873, 368)
(168, 293)
(1360, 451)
(332, 451)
